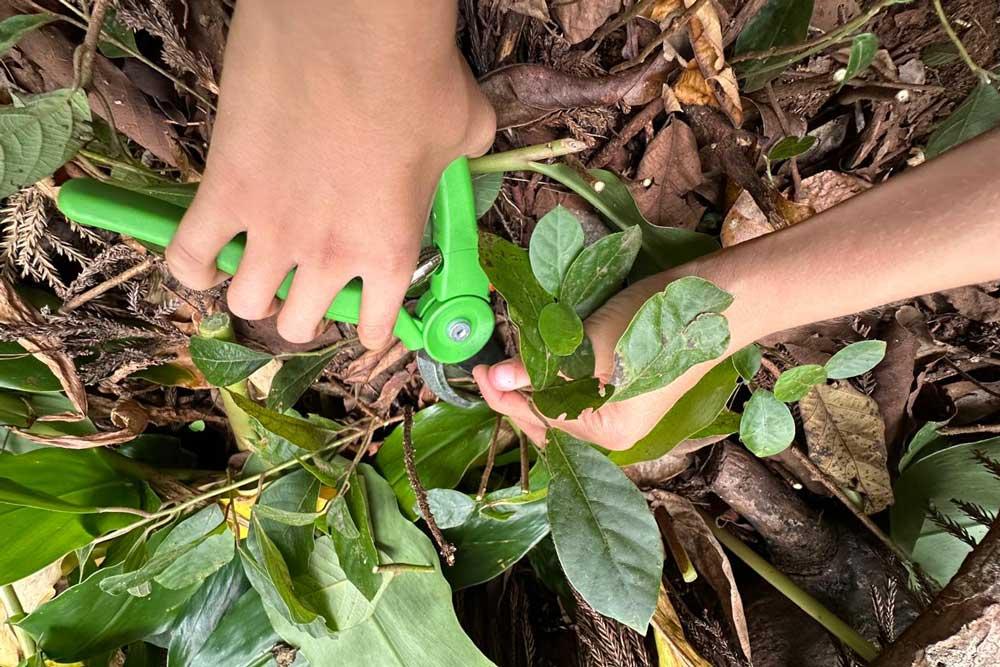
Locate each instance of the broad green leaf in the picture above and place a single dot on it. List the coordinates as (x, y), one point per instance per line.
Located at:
(338, 519)
(39, 134)
(326, 587)
(555, 243)
(796, 382)
(413, 623)
(450, 508)
(199, 618)
(116, 30)
(778, 23)
(727, 423)
(509, 270)
(242, 638)
(789, 147)
(767, 427)
(296, 492)
(224, 363)
(674, 330)
(924, 442)
(662, 247)
(580, 364)
(569, 399)
(696, 410)
(488, 546)
(747, 362)
(855, 359)
(606, 538)
(486, 188)
(938, 478)
(357, 555)
(863, 48)
(268, 573)
(32, 537)
(286, 517)
(599, 271)
(295, 376)
(14, 28)
(561, 329)
(16, 495)
(299, 432)
(446, 441)
(20, 371)
(978, 113)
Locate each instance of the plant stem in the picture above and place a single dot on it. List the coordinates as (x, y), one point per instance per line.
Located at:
(219, 327)
(446, 548)
(12, 605)
(84, 56)
(119, 164)
(983, 74)
(490, 459)
(519, 158)
(791, 590)
(400, 568)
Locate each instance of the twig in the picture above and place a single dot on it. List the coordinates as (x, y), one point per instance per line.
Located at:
(84, 56)
(518, 159)
(632, 128)
(96, 291)
(680, 555)
(358, 455)
(969, 377)
(786, 128)
(446, 548)
(525, 473)
(490, 459)
(984, 75)
(618, 22)
(12, 605)
(967, 430)
(400, 568)
(678, 19)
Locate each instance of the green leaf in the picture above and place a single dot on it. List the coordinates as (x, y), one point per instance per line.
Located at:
(925, 441)
(450, 508)
(863, 48)
(486, 188)
(855, 359)
(796, 382)
(487, 546)
(606, 538)
(243, 637)
(295, 492)
(599, 271)
(14, 28)
(767, 427)
(509, 270)
(789, 147)
(295, 376)
(778, 23)
(358, 555)
(39, 134)
(286, 517)
(569, 399)
(299, 432)
(338, 519)
(178, 194)
(561, 329)
(747, 362)
(33, 537)
(12, 493)
(446, 441)
(674, 330)
(115, 29)
(326, 587)
(978, 113)
(268, 573)
(580, 364)
(224, 363)
(662, 247)
(555, 243)
(21, 371)
(939, 53)
(696, 410)
(938, 478)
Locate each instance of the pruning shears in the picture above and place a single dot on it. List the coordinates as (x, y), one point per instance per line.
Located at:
(452, 321)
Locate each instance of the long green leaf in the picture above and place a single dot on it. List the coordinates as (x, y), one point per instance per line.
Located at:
(14, 28)
(224, 363)
(978, 113)
(778, 23)
(295, 376)
(299, 432)
(599, 271)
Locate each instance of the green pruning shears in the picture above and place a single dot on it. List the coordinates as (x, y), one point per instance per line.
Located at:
(453, 319)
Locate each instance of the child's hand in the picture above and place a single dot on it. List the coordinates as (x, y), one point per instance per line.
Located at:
(335, 123)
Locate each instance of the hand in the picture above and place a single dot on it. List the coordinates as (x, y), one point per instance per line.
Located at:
(335, 123)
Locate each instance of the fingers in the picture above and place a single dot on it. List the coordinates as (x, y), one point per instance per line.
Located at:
(191, 255)
(308, 300)
(251, 294)
(509, 375)
(382, 296)
(509, 403)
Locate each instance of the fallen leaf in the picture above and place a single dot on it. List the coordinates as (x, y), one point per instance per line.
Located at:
(894, 377)
(692, 88)
(671, 645)
(537, 9)
(829, 188)
(974, 303)
(646, 474)
(846, 439)
(672, 169)
(580, 18)
(705, 33)
(709, 560)
(32, 592)
(130, 418)
(745, 220)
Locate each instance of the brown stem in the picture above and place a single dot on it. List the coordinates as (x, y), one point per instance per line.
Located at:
(632, 127)
(85, 54)
(446, 549)
(490, 459)
(94, 292)
(525, 473)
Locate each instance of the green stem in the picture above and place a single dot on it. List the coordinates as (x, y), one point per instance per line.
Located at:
(983, 75)
(519, 158)
(399, 568)
(219, 327)
(119, 164)
(12, 605)
(791, 590)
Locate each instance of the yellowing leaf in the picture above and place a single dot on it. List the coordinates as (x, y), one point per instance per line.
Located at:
(846, 438)
(691, 88)
(672, 647)
(705, 33)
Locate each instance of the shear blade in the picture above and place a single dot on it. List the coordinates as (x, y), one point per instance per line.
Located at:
(436, 374)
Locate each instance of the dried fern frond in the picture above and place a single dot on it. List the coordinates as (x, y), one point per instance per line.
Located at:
(991, 464)
(605, 642)
(950, 526)
(884, 605)
(976, 512)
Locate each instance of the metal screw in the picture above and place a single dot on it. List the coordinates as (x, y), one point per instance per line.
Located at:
(459, 330)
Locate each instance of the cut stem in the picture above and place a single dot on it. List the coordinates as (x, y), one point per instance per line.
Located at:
(519, 159)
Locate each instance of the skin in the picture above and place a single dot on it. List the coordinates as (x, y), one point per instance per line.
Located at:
(932, 228)
(331, 135)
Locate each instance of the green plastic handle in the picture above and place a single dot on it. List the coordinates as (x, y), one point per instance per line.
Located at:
(152, 220)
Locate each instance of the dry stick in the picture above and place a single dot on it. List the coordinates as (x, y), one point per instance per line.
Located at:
(490, 458)
(632, 127)
(525, 473)
(678, 19)
(968, 430)
(446, 549)
(96, 291)
(783, 121)
(983, 74)
(12, 605)
(84, 56)
(971, 379)
(618, 22)
(358, 455)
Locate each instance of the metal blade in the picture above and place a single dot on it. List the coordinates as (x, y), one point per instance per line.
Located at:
(434, 376)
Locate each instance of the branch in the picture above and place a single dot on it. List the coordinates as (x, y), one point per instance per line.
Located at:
(84, 56)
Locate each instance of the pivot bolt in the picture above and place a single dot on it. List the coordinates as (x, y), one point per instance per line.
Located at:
(459, 330)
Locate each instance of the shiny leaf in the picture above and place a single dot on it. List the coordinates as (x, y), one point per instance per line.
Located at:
(855, 359)
(796, 382)
(555, 243)
(295, 376)
(747, 361)
(863, 48)
(978, 113)
(224, 363)
(560, 328)
(600, 270)
(299, 432)
(569, 399)
(767, 426)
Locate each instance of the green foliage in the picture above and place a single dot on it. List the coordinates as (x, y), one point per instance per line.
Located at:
(20, 371)
(580, 364)
(796, 382)
(778, 23)
(863, 48)
(296, 375)
(14, 28)
(446, 441)
(569, 399)
(789, 147)
(767, 427)
(300, 432)
(450, 508)
(978, 113)
(242, 637)
(606, 538)
(224, 363)
(674, 330)
(599, 270)
(357, 553)
(555, 243)
(747, 362)
(486, 188)
(39, 134)
(560, 328)
(855, 359)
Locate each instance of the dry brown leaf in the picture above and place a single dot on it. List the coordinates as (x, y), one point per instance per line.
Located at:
(846, 438)
(14, 310)
(580, 18)
(744, 221)
(672, 647)
(894, 377)
(974, 303)
(709, 560)
(691, 88)
(662, 9)
(669, 169)
(829, 188)
(130, 418)
(537, 9)
(705, 33)
(32, 591)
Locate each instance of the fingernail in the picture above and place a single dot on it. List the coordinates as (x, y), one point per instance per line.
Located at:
(503, 376)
